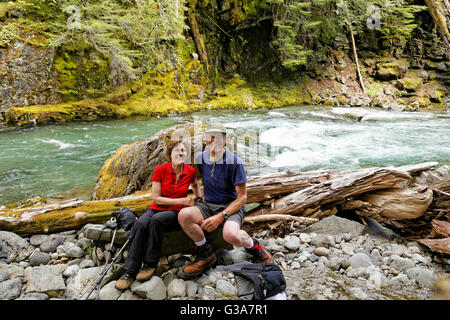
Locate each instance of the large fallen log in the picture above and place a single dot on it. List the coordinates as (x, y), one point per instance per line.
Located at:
(67, 215)
(407, 203)
(437, 245)
(314, 190)
(336, 190)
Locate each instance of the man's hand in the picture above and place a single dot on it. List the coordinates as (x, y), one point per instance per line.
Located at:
(212, 223)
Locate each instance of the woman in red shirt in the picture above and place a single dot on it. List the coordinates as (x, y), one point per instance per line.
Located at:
(170, 185)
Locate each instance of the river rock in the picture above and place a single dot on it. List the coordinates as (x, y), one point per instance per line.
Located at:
(109, 292)
(321, 251)
(176, 288)
(37, 258)
(71, 270)
(226, 288)
(17, 247)
(321, 240)
(336, 225)
(360, 260)
(400, 264)
(75, 252)
(46, 279)
(34, 296)
(52, 243)
(37, 239)
(191, 288)
(10, 289)
(83, 282)
(154, 289)
(423, 276)
(292, 243)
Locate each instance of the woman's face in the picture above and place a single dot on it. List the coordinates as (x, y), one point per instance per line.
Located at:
(179, 154)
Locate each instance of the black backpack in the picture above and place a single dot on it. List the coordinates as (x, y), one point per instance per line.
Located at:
(259, 281)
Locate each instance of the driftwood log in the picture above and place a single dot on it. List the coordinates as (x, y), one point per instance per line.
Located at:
(318, 195)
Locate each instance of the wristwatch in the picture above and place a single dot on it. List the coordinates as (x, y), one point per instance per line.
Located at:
(224, 214)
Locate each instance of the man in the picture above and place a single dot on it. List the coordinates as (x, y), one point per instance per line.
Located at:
(225, 194)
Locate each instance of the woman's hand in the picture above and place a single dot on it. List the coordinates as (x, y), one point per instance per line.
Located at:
(188, 202)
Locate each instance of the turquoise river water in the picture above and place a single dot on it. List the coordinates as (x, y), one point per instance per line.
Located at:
(56, 158)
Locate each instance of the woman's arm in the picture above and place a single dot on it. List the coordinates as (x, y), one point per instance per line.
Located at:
(164, 201)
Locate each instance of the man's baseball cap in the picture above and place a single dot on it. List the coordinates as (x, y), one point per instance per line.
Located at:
(216, 128)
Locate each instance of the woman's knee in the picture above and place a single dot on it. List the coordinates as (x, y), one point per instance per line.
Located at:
(187, 216)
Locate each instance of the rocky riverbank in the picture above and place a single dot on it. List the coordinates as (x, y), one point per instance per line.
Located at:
(335, 258)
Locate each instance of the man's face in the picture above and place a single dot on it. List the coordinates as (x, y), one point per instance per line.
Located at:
(215, 141)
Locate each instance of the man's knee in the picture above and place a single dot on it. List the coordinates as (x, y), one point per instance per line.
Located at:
(230, 233)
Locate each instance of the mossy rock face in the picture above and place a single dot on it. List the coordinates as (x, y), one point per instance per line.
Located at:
(391, 70)
(409, 84)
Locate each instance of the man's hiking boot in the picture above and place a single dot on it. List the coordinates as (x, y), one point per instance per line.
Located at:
(146, 273)
(206, 257)
(124, 282)
(259, 253)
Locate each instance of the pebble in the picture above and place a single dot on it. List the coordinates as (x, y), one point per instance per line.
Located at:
(71, 268)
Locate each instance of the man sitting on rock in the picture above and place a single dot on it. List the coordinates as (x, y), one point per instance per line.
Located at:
(225, 194)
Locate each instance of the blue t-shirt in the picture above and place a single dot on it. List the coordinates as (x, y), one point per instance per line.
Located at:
(219, 184)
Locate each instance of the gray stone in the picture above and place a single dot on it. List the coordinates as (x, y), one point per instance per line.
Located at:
(75, 252)
(37, 258)
(46, 279)
(321, 251)
(239, 254)
(3, 275)
(176, 288)
(423, 276)
(224, 257)
(129, 295)
(400, 264)
(12, 270)
(34, 296)
(37, 239)
(191, 288)
(359, 272)
(109, 292)
(83, 282)
(71, 270)
(292, 243)
(336, 225)
(154, 289)
(321, 240)
(304, 237)
(87, 263)
(10, 289)
(52, 243)
(17, 247)
(360, 260)
(168, 277)
(226, 288)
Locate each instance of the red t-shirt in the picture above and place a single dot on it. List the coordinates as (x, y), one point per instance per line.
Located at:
(166, 176)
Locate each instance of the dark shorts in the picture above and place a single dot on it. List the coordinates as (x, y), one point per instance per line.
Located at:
(209, 209)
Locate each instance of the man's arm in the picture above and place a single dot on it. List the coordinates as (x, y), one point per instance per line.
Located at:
(213, 222)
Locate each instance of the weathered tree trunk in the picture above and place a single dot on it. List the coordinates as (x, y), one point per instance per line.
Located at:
(67, 215)
(336, 190)
(437, 245)
(440, 11)
(315, 193)
(196, 34)
(408, 203)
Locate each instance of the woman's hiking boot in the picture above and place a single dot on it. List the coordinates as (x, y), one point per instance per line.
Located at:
(124, 282)
(205, 258)
(259, 253)
(146, 273)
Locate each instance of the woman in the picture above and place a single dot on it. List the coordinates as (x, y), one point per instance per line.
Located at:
(170, 185)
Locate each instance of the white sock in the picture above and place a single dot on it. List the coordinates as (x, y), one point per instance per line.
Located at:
(251, 246)
(201, 242)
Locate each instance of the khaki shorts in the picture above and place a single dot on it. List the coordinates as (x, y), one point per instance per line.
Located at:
(209, 209)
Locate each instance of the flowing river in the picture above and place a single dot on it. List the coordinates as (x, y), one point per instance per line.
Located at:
(56, 158)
